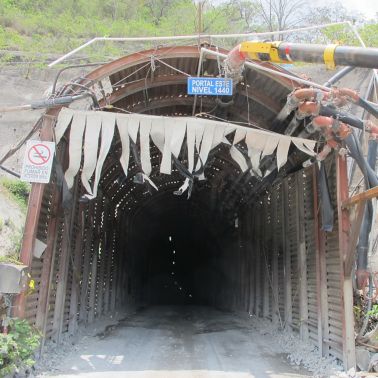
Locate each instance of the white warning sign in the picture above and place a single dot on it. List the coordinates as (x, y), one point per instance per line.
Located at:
(38, 161)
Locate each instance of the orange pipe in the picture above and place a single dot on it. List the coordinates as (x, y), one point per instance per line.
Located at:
(308, 108)
(346, 92)
(327, 123)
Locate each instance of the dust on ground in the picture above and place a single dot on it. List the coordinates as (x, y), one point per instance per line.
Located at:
(187, 341)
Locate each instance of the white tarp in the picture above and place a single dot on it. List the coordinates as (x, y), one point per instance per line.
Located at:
(169, 134)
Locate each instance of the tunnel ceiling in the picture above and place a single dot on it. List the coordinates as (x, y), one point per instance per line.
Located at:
(154, 82)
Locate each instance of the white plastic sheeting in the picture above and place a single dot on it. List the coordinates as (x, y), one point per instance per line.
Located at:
(169, 134)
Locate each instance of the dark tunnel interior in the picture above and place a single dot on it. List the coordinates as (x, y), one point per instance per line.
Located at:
(174, 253)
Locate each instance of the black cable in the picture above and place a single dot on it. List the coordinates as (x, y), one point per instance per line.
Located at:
(370, 108)
(351, 120)
(10, 171)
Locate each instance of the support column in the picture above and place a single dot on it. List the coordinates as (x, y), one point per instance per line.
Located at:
(349, 353)
(321, 272)
(265, 263)
(275, 293)
(257, 253)
(83, 312)
(287, 256)
(76, 273)
(302, 261)
(32, 218)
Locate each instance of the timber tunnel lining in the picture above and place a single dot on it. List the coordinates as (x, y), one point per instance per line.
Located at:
(256, 241)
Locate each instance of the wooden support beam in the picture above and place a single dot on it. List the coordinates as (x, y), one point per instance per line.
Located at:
(92, 290)
(66, 260)
(94, 266)
(84, 290)
(350, 257)
(252, 261)
(32, 218)
(349, 353)
(265, 263)
(258, 265)
(274, 251)
(321, 273)
(109, 253)
(61, 282)
(115, 269)
(287, 256)
(104, 260)
(76, 273)
(302, 258)
(359, 201)
(48, 260)
(360, 197)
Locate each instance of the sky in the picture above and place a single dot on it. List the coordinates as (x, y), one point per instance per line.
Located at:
(369, 8)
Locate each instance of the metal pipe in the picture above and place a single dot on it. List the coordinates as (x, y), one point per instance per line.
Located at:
(342, 55)
(357, 34)
(256, 66)
(52, 102)
(188, 37)
(339, 75)
(65, 100)
(70, 67)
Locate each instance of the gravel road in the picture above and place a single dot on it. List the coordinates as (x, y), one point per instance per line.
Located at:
(178, 342)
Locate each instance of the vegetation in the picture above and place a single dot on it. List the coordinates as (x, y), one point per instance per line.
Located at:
(18, 346)
(11, 259)
(39, 28)
(19, 190)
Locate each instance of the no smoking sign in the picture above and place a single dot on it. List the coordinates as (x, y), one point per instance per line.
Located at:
(38, 161)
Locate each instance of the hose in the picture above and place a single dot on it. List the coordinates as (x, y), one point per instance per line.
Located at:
(370, 108)
(343, 117)
(355, 151)
(65, 100)
(369, 165)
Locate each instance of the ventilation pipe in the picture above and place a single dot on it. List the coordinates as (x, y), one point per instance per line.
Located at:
(331, 55)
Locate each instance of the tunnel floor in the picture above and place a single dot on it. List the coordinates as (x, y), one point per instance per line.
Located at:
(178, 341)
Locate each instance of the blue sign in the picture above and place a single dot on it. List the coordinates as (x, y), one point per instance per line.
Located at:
(210, 86)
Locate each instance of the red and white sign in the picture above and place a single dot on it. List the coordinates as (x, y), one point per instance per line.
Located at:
(38, 161)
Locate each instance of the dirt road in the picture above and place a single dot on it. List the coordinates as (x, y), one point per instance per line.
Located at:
(179, 342)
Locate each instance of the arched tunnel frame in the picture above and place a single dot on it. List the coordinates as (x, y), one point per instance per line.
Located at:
(292, 272)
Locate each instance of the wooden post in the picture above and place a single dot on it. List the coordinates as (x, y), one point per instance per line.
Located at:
(64, 264)
(257, 253)
(252, 260)
(115, 271)
(92, 292)
(76, 274)
(62, 278)
(302, 261)
(264, 264)
(32, 218)
(48, 261)
(287, 256)
(86, 268)
(349, 353)
(275, 293)
(110, 255)
(96, 243)
(321, 273)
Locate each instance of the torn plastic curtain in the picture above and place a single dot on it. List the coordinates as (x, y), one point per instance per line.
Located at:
(168, 134)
